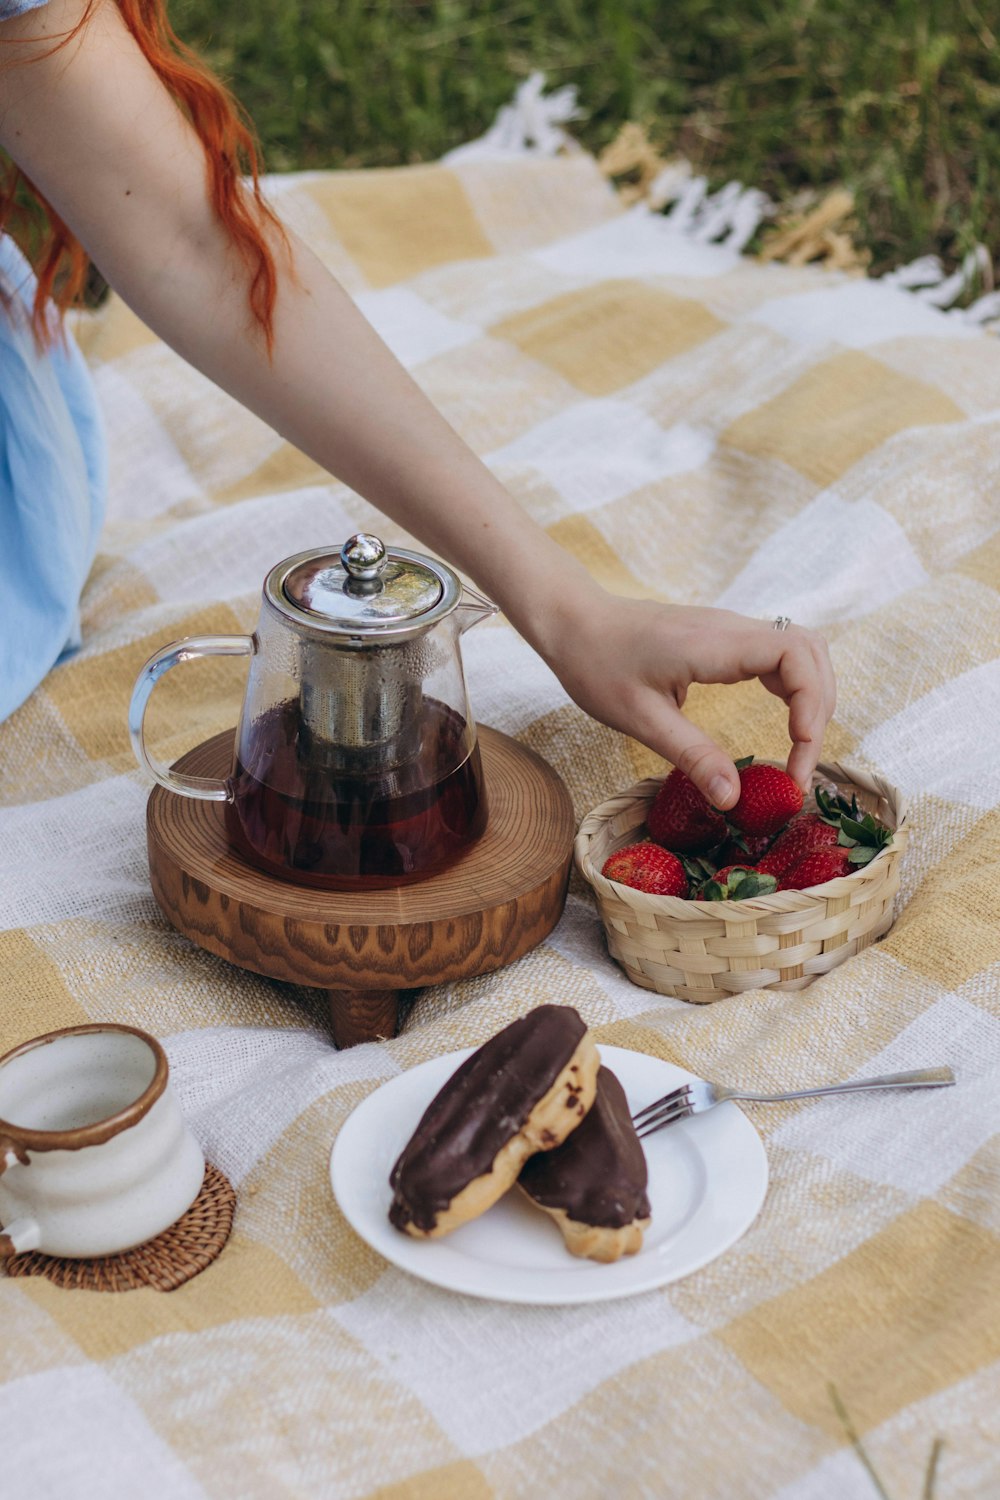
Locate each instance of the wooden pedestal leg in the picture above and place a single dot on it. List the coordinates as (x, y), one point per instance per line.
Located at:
(363, 1015)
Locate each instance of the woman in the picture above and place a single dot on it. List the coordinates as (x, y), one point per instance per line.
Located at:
(88, 114)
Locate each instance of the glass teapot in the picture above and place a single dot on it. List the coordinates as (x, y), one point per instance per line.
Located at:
(356, 759)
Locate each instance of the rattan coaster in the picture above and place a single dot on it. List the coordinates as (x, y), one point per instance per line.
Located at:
(165, 1263)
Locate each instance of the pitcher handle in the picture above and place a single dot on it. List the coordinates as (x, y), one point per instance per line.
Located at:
(11, 1155)
(16, 1238)
(204, 788)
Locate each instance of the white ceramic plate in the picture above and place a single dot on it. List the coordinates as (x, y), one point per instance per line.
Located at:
(707, 1180)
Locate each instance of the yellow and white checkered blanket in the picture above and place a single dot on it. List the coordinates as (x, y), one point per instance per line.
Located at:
(689, 424)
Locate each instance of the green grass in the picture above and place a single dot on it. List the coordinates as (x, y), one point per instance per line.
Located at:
(900, 102)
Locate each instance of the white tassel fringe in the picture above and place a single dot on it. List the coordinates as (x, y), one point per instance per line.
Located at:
(532, 125)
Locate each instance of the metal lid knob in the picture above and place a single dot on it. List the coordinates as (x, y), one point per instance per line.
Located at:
(363, 556)
(363, 589)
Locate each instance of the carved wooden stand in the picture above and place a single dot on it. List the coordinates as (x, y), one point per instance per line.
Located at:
(366, 947)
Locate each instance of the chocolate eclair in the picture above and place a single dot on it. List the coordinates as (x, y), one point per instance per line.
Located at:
(594, 1185)
(523, 1091)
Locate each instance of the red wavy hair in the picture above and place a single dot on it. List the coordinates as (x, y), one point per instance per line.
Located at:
(231, 153)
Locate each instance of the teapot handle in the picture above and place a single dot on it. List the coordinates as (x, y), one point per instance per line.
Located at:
(189, 648)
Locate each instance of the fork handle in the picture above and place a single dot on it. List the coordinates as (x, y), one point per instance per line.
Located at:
(923, 1078)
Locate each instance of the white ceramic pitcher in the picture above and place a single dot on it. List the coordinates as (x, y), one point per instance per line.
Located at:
(95, 1156)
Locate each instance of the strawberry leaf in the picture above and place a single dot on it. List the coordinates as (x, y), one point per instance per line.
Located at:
(867, 831)
(752, 884)
(697, 869)
(713, 891)
(827, 811)
(743, 762)
(739, 885)
(863, 854)
(833, 807)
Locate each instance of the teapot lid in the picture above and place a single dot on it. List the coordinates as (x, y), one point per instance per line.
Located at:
(364, 590)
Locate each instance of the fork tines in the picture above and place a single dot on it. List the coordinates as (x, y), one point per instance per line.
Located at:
(671, 1107)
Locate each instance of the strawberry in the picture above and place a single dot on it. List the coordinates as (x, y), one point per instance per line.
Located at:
(839, 824)
(769, 799)
(804, 835)
(815, 868)
(736, 883)
(647, 867)
(679, 817)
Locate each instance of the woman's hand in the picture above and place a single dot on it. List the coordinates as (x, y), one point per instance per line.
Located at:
(630, 662)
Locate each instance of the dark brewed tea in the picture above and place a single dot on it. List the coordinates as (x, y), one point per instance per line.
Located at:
(305, 821)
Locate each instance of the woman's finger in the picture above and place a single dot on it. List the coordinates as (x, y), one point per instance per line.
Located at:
(801, 675)
(825, 666)
(802, 762)
(666, 730)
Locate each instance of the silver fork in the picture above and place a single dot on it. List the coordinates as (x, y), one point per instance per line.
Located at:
(694, 1098)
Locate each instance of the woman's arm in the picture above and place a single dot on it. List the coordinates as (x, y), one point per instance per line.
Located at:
(97, 133)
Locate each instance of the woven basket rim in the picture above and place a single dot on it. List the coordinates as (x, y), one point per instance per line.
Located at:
(686, 907)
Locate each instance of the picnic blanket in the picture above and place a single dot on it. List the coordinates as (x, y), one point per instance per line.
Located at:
(691, 425)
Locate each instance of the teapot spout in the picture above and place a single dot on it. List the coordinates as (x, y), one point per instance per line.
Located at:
(471, 608)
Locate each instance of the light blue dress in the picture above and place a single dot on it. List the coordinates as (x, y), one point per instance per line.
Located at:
(53, 479)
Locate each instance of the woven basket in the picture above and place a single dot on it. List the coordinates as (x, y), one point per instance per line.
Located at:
(704, 951)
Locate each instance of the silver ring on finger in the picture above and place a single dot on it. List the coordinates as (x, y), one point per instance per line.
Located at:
(782, 622)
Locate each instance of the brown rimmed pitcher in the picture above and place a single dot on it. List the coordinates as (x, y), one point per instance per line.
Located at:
(95, 1156)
